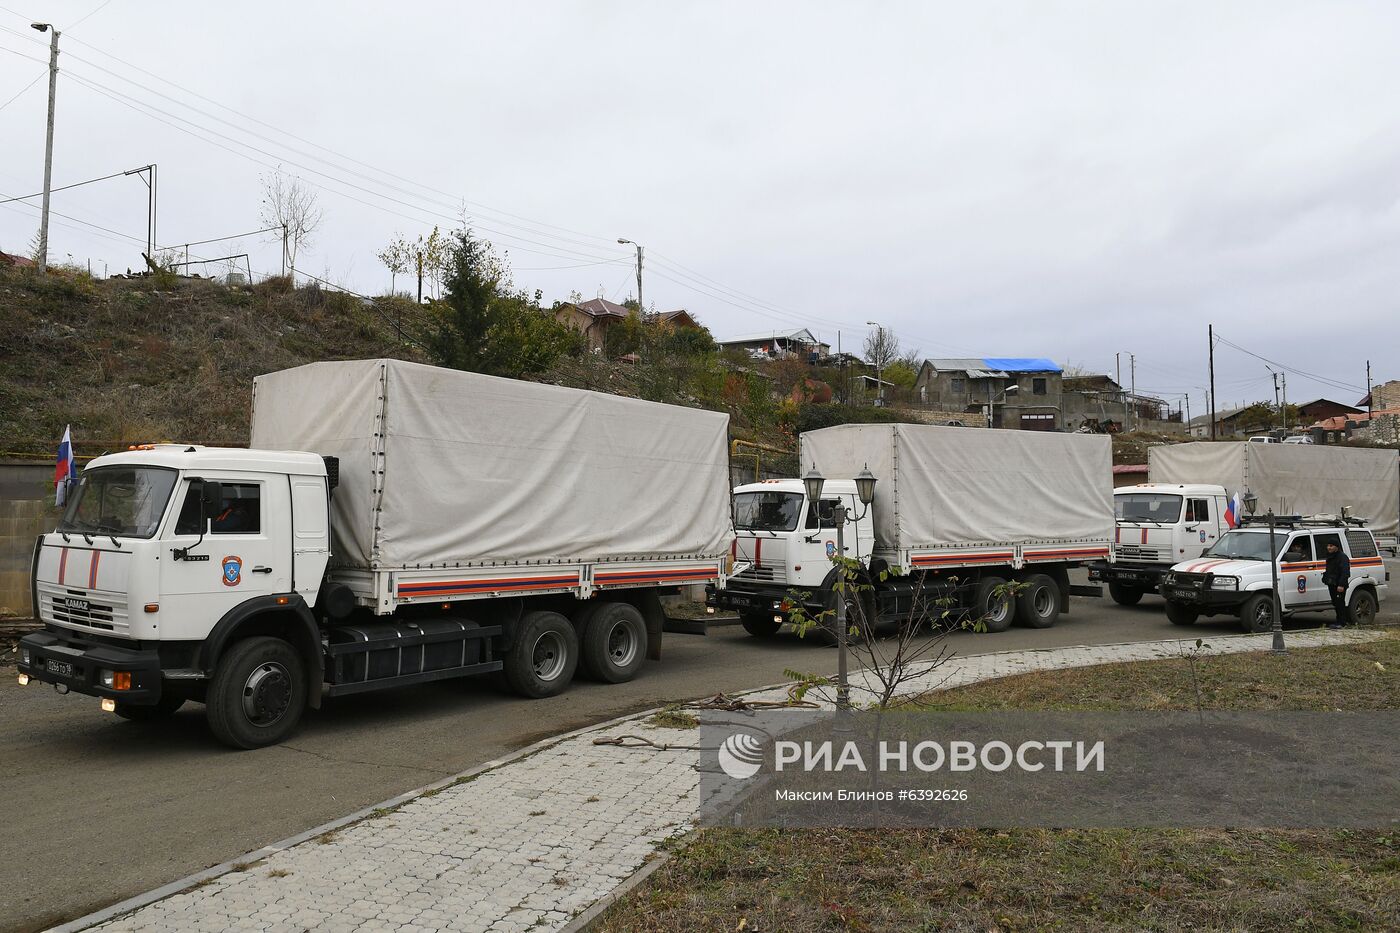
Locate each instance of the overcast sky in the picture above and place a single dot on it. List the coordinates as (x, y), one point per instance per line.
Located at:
(1064, 180)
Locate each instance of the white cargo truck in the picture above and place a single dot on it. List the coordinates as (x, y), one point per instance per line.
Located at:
(392, 524)
(1197, 494)
(962, 511)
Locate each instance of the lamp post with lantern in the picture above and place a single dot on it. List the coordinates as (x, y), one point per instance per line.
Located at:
(1251, 503)
(865, 481)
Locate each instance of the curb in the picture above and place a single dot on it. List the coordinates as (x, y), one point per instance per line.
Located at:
(581, 921)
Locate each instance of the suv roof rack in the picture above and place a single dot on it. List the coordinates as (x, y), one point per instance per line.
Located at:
(1305, 521)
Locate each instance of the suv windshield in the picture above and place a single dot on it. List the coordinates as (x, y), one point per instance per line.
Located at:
(767, 511)
(119, 500)
(1245, 545)
(1147, 507)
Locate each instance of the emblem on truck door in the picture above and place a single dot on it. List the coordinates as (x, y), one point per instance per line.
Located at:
(233, 570)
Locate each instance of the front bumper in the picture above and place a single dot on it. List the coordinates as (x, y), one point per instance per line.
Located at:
(774, 599)
(1203, 596)
(1143, 576)
(58, 657)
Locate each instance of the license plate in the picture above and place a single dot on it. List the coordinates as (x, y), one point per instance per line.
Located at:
(62, 668)
(1181, 592)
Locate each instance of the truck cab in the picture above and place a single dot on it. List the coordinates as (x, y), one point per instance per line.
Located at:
(1158, 525)
(784, 542)
(1235, 577)
(168, 555)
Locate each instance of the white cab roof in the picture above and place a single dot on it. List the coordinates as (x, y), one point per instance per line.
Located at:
(192, 457)
(1177, 489)
(832, 487)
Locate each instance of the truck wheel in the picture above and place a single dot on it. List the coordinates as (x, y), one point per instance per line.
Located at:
(163, 708)
(1125, 595)
(1038, 605)
(1257, 614)
(542, 660)
(994, 610)
(1177, 614)
(613, 643)
(1363, 607)
(257, 694)
(759, 624)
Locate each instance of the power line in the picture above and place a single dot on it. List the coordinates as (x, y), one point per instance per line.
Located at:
(1334, 383)
(76, 184)
(20, 93)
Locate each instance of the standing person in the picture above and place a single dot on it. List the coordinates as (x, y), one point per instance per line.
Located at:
(1335, 578)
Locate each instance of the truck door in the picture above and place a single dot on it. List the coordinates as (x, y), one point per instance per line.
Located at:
(1201, 524)
(311, 534)
(246, 551)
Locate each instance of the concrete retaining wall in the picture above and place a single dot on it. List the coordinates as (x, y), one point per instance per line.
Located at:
(26, 509)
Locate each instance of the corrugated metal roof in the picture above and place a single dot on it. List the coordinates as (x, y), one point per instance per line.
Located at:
(802, 334)
(602, 307)
(953, 365)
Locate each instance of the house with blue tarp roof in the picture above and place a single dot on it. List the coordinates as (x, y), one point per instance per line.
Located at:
(1018, 392)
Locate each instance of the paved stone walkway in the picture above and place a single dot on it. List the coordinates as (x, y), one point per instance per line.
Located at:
(537, 840)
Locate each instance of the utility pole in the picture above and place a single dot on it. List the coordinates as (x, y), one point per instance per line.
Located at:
(1210, 335)
(1188, 413)
(148, 176)
(48, 143)
(1283, 409)
(1132, 374)
(419, 260)
(1280, 409)
(1118, 370)
(1370, 402)
(641, 308)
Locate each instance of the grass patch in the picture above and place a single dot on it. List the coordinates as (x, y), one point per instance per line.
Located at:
(673, 717)
(1151, 879)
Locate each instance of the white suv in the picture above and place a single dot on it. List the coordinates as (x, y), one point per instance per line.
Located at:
(1233, 577)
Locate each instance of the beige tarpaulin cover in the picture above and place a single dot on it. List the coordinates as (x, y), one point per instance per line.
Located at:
(439, 467)
(943, 486)
(1292, 479)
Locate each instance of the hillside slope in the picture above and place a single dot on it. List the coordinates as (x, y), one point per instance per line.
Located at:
(128, 361)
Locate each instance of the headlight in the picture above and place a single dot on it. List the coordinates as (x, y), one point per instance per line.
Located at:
(1169, 578)
(24, 656)
(1225, 583)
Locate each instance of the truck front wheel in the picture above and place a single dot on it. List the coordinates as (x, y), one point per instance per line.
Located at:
(613, 642)
(542, 659)
(759, 624)
(257, 694)
(163, 708)
(1125, 595)
(1177, 614)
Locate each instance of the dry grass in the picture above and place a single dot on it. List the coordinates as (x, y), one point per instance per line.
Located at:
(929, 879)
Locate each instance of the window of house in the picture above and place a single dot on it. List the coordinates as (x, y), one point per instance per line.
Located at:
(959, 385)
(1038, 386)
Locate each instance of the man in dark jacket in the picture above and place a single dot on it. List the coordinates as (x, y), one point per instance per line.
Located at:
(1335, 578)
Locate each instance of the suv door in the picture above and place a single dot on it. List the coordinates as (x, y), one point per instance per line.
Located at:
(1320, 540)
(1300, 574)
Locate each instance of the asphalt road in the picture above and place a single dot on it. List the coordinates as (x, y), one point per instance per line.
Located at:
(99, 809)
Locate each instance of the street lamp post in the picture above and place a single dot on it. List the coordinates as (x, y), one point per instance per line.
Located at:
(48, 142)
(865, 491)
(641, 308)
(148, 175)
(1251, 502)
(991, 402)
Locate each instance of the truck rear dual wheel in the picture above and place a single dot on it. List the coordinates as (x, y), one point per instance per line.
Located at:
(542, 659)
(992, 608)
(613, 642)
(1038, 604)
(1125, 595)
(257, 694)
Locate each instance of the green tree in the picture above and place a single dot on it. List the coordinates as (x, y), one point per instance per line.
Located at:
(484, 325)
(901, 374)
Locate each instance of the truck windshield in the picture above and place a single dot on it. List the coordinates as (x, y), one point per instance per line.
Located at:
(767, 511)
(1147, 507)
(1245, 545)
(119, 500)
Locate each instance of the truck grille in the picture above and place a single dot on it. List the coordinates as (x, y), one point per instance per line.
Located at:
(765, 574)
(98, 612)
(1138, 553)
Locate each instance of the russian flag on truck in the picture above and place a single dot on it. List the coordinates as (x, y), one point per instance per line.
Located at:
(63, 470)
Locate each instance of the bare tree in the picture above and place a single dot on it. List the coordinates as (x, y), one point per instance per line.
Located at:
(881, 347)
(290, 204)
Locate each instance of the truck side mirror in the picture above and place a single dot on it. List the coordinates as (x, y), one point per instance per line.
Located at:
(211, 496)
